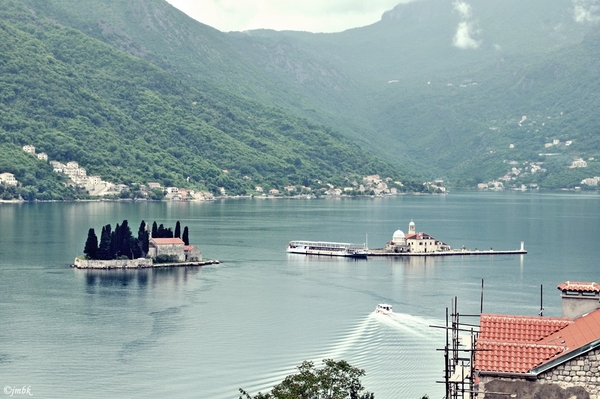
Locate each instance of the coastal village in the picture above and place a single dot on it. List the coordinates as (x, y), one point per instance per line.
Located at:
(99, 188)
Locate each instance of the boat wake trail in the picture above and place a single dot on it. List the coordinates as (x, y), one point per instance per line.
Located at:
(398, 347)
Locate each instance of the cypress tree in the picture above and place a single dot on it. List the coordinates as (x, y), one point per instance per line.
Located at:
(168, 233)
(154, 230)
(126, 241)
(115, 239)
(185, 238)
(143, 240)
(91, 245)
(104, 248)
(161, 231)
(177, 230)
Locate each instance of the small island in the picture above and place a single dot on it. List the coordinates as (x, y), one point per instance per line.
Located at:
(158, 247)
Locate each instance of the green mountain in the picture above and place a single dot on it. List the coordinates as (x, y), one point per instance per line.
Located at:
(136, 91)
(131, 121)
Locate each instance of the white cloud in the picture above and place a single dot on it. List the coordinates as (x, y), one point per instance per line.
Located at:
(304, 15)
(465, 32)
(586, 11)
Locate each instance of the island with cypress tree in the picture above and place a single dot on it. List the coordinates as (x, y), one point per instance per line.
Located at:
(155, 247)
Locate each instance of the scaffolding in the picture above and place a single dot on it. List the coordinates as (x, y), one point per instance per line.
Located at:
(459, 355)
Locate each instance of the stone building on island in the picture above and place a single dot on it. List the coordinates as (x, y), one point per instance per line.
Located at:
(414, 242)
(174, 247)
(530, 357)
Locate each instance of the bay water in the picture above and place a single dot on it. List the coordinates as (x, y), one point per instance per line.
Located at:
(204, 332)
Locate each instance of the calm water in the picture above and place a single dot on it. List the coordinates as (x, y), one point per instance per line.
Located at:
(205, 332)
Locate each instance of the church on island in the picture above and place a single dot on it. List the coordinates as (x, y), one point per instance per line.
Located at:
(174, 247)
(414, 242)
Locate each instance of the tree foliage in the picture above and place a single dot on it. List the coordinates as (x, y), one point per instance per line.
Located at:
(130, 120)
(336, 380)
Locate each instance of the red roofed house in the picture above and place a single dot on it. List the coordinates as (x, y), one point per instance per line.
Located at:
(167, 246)
(192, 253)
(531, 357)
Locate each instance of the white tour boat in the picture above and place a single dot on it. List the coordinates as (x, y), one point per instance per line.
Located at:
(384, 308)
(327, 249)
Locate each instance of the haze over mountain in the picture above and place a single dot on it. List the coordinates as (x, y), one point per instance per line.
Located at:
(464, 91)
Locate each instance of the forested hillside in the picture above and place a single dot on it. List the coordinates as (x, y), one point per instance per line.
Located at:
(136, 91)
(129, 121)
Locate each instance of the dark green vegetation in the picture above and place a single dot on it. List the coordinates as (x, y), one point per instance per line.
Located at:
(121, 244)
(135, 91)
(336, 380)
(133, 121)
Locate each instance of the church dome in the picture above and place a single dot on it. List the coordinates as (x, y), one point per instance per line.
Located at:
(398, 234)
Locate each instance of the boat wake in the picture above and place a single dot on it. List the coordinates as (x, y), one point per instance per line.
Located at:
(397, 348)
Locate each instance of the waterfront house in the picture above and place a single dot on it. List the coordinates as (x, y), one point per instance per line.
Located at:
(192, 253)
(537, 357)
(8, 179)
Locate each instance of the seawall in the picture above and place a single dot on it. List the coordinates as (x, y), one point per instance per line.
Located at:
(133, 263)
(381, 252)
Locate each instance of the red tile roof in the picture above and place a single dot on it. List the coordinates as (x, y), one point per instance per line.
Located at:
(505, 328)
(168, 241)
(513, 357)
(576, 286)
(517, 344)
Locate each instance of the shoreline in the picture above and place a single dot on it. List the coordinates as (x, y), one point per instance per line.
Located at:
(132, 264)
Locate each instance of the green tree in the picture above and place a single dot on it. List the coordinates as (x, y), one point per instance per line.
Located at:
(104, 250)
(186, 239)
(336, 380)
(177, 230)
(154, 230)
(142, 239)
(91, 245)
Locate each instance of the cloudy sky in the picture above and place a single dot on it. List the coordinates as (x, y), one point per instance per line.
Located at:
(303, 15)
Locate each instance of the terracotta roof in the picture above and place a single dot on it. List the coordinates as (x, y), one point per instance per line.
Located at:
(517, 344)
(583, 330)
(505, 328)
(576, 286)
(167, 241)
(513, 357)
(189, 247)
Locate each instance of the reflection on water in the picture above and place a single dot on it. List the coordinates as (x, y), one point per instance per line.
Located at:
(140, 278)
(205, 332)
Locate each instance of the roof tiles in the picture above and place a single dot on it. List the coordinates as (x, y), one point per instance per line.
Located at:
(578, 286)
(517, 344)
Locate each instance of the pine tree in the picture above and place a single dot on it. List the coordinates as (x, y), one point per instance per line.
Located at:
(185, 238)
(115, 239)
(91, 245)
(161, 231)
(168, 233)
(104, 252)
(177, 230)
(142, 240)
(126, 242)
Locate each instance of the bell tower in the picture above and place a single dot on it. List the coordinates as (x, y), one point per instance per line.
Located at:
(411, 227)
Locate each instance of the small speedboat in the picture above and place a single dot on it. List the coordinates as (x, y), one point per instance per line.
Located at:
(384, 308)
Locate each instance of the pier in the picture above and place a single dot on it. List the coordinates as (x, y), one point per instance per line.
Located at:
(452, 252)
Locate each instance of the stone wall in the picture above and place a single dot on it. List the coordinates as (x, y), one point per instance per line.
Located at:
(172, 250)
(112, 264)
(583, 371)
